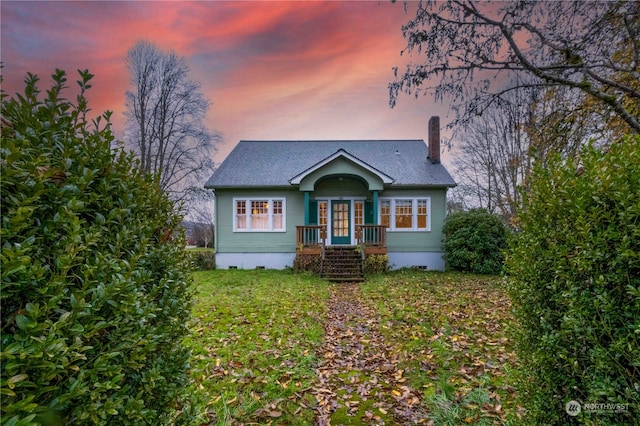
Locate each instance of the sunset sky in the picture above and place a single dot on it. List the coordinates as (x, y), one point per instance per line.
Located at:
(272, 69)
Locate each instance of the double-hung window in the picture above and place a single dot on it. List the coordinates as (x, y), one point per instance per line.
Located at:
(259, 215)
(405, 214)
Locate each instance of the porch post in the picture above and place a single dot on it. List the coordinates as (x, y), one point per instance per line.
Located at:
(306, 207)
(374, 207)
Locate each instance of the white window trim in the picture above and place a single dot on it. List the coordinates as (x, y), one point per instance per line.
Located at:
(248, 201)
(414, 211)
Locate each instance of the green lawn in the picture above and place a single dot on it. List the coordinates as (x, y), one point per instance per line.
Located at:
(254, 340)
(451, 331)
(256, 337)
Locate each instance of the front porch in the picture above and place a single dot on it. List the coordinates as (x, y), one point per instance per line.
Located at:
(313, 239)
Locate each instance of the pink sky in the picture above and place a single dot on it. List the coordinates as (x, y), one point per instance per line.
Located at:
(272, 70)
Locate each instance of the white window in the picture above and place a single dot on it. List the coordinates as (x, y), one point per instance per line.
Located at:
(405, 214)
(322, 212)
(259, 215)
(358, 212)
(385, 213)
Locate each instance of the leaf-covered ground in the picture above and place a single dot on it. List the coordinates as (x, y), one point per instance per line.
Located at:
(405, 348)
(255, 336)
(359, 380)
(450, 332)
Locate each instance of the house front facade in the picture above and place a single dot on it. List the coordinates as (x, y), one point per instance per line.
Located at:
(276, 199)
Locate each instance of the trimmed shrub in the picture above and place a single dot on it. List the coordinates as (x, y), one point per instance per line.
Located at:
(574, 281)
(474, 242)
(203, 260)
(307, 263)
(376, 264)
(95, 286)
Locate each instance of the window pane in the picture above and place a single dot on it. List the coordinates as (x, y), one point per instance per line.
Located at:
(277, 221)
(385, 213)
(322, 213)
(277, 214)
(241, 217)
(358, 207)
(259, 215)
(422, 214)
(404, 214)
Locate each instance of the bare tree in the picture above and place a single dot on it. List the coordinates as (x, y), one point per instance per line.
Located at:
(202, 213)
(165, 111)
(494, 154)
(559, 123)
(470, 48)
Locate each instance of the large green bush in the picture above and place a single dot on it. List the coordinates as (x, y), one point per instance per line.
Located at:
(474, 242)
(574, 281)
(95, 288)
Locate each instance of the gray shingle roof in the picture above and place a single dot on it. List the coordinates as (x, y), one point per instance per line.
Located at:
(273, 163)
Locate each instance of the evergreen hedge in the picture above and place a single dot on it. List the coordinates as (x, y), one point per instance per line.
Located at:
(474, 242)
(574, 281)
(95, 286)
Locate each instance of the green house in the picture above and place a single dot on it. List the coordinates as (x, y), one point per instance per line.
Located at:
(275, 199)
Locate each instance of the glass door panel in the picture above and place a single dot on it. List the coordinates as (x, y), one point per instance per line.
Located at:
(340, 223)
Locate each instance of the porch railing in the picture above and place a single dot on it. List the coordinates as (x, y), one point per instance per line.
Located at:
(311, 235)
(371, 235)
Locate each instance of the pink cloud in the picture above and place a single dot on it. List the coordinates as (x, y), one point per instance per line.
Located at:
(272, 69)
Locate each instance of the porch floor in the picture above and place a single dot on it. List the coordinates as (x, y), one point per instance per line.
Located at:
(318, 249)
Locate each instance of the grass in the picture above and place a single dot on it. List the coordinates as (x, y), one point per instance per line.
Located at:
(452, 333)
(255, 336)
(254, 340)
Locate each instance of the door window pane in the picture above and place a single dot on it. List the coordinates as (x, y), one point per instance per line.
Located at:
(340, 220)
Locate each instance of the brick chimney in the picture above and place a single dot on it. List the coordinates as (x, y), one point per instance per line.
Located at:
(434, 140)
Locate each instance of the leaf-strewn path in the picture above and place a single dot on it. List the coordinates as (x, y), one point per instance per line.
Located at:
(358, 378)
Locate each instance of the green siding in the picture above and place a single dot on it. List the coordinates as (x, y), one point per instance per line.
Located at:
(257, 242)
(340, 188)
(284, 242)
(419, 241)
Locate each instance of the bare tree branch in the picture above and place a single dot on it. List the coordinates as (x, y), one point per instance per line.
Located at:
(165, 112)
(469, 50)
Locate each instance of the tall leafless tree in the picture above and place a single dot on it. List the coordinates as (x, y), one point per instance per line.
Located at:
(202, 214)
(467, 49)
(493, 157)
(165, 111)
